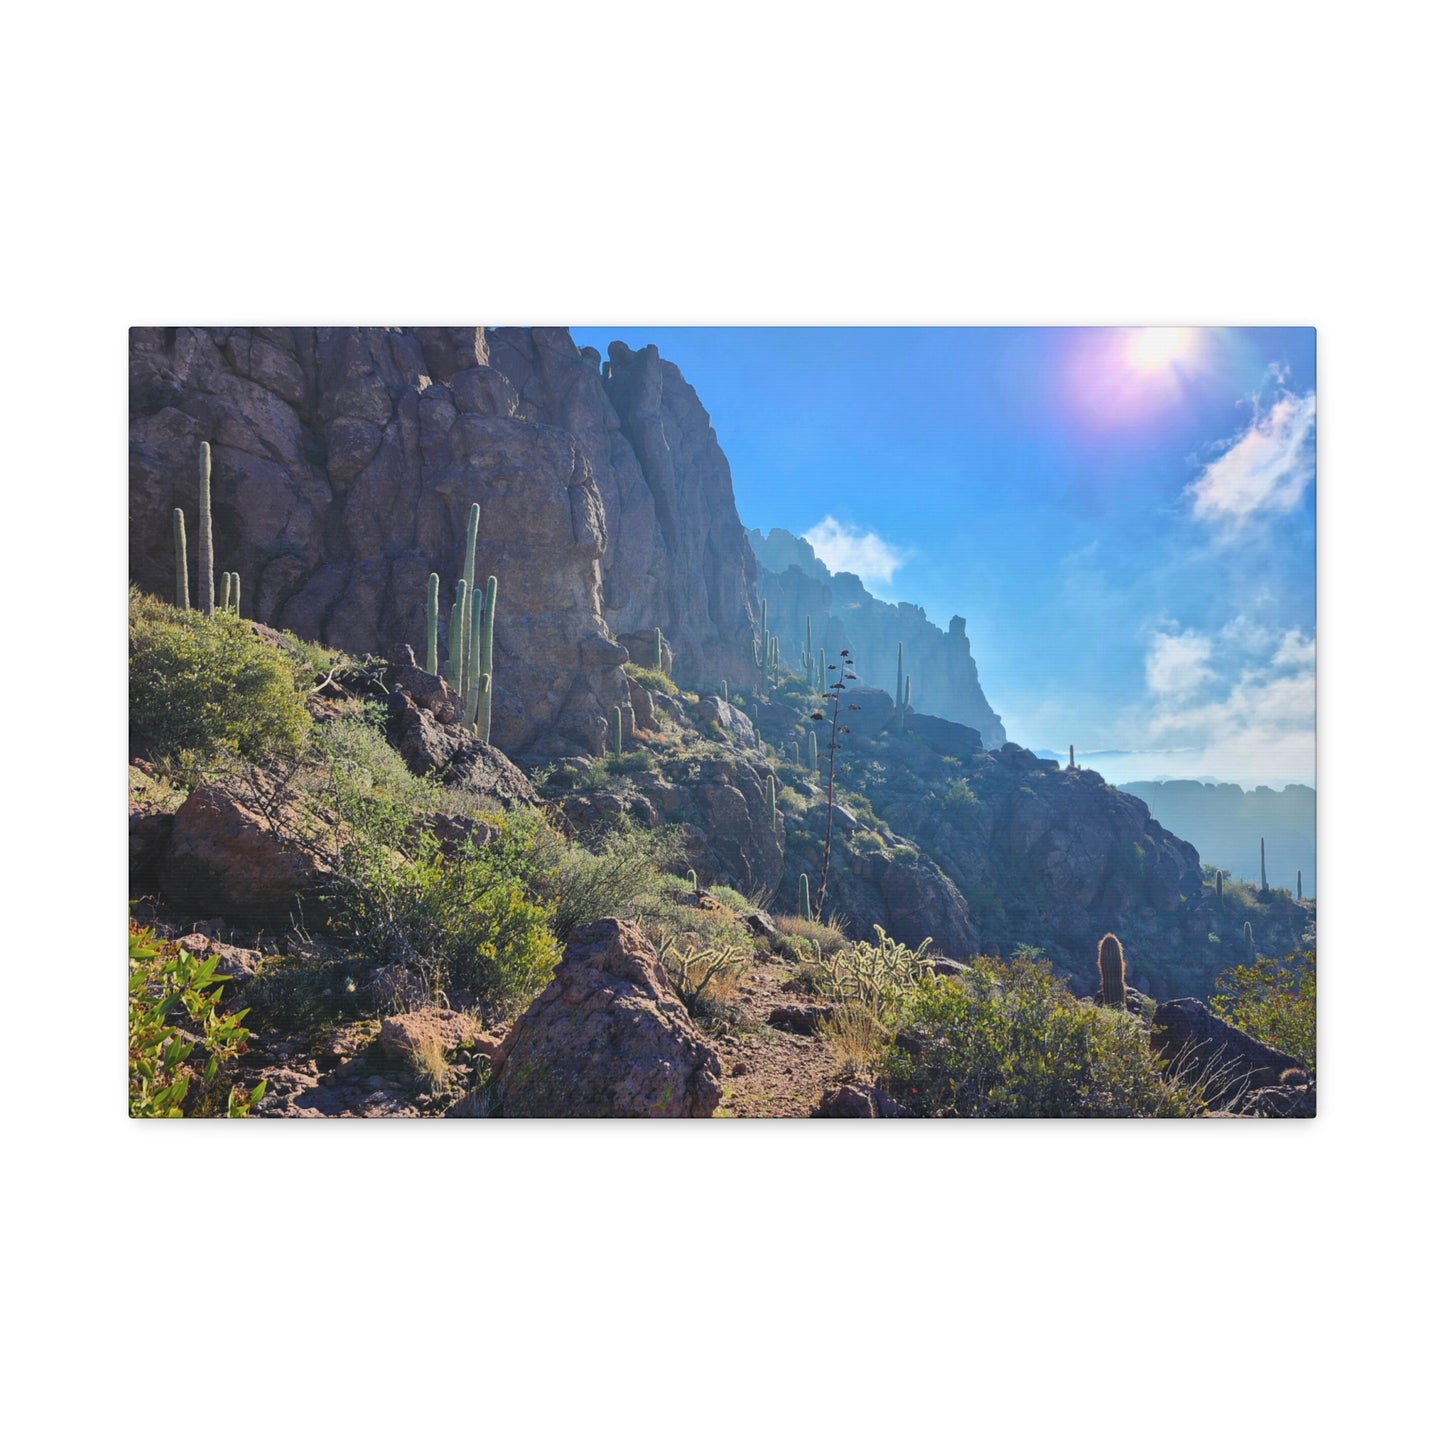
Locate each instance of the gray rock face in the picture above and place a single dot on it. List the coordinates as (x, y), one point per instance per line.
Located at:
(607, 1039)
(944, 675)
(344, 462)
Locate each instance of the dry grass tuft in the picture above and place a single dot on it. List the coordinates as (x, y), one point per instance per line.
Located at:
(857, 1038)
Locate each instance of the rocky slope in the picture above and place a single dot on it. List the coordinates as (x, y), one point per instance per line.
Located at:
(944, 675)
(345, 460)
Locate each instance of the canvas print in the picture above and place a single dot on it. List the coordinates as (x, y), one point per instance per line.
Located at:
(721, 722)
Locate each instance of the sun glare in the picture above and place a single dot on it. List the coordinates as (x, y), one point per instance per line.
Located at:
(1152, 349)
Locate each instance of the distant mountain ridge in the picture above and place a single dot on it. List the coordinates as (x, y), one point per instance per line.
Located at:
(1225, 823)
(797, 585)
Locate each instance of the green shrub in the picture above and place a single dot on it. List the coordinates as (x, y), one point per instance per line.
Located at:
(175, 1009)
(640, 761)
(473, 920)
(650, 678)
(620, 876)
(208, 685)
(1272, 1001)
(1007, 1040)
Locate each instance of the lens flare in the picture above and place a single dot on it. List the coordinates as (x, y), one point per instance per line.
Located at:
(1152, 349)
(1128, 377)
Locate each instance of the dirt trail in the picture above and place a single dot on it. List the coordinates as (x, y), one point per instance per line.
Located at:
(769, 1073)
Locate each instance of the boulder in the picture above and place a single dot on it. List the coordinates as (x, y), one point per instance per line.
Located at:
(800, 1018)
(1205, 1049)
(455, 754)
(856, 1101)
(405, 1036)
(607, 1039)
(225, 857)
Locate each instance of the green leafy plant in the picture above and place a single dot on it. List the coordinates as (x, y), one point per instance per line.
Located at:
(175, 1009)
(1008, 1040)
(209, 685)
(1272, 1000)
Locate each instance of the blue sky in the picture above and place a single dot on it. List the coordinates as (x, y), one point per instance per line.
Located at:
(1125, 516)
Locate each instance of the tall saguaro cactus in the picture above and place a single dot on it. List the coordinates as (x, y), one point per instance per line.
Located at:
(813, 751)
(898, 694)
(805, 907)
(489, 618)
(469, 569)
(657, 649)
(205, 552)
(457, 638)
(433, 607)
(1111, 971)
(225, 591)
(183, 576)
(1263, 881)
(617, 732)
(474, 670)
(1299, 885)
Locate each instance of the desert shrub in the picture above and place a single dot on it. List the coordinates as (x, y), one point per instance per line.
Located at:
(1007, 1040)
(206, 686)
(638, 761)
(1273, 1001)
(650, 678)
(829, 936)
(474, 919)
(959, 799)
(174, 1006)
(621, 875)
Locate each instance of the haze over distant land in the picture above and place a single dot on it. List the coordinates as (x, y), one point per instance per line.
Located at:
(1125, 517)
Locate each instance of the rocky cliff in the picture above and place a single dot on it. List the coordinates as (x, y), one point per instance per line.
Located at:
(944, 675)
(345, 460)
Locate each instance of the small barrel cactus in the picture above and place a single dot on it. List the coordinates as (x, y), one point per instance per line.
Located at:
(1111, 971)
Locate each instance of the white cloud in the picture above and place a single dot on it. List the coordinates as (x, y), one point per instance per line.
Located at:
(1248, 636)
(1295, 650)
(1178, 664)
(846, 549)
(1259, 723)
(1265, 469)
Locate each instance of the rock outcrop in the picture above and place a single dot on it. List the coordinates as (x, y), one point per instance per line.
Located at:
(607, 1039)
(796, 586)
(344, 462)
(227, 855)
(1227, 1063)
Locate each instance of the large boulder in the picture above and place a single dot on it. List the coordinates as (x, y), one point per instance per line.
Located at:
(455, 754)
(607, 1039)
(228, 856)
(1227, 1062)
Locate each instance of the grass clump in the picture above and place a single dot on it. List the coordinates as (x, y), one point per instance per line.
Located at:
(1008, 1040)
(204, 687)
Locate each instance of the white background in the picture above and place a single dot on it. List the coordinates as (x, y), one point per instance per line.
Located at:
(305, 163)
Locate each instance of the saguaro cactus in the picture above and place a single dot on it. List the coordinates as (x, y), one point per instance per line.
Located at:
(898, 694)
(725, 690)
(457, 638)
(1249, 941)
(489, 620)
(469, 571)
(1299, 885)
(617, 732)
(657, 649)
(1263, 881)
(907, 692)
(773, 799)
(813, 751)
(205, 552)
(805, 907)
(236, 593)
(692, 878)
(474, 671)
(225, 591)
(1111, 971)
(183, 576)
(433, 607)
(1219, 884)
(1071, 757)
